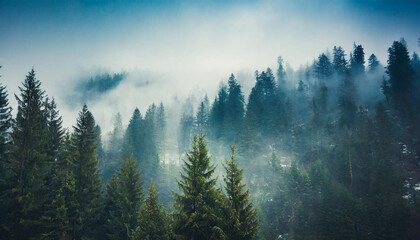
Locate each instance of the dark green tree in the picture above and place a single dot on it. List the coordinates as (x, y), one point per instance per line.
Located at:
(323, 68)
(241, 221)
(153, 222)
(5, 140)
(373, 63)
(198, 205)
(123, 201)
(339, 60)
(234, 111)
(86, 175)
(357, 62)
(28, 167)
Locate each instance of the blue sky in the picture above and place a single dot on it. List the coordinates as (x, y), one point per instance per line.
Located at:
(186, 45)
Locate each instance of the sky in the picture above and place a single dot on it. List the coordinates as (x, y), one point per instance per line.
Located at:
(171, 49)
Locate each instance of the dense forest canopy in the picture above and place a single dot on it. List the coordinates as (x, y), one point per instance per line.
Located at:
(329, 151)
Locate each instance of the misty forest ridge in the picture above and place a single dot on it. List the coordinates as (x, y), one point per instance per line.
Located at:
(335, 157)
(178, 120)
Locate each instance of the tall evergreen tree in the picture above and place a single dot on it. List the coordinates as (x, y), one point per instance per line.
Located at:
(400, 74)
(241, 220)
(323, 67)
(153, 222)
(234, 109)
(86, 174)
(373, 63)
(358, 60)
(281, 72)
(217, 114)
(339, 60)
(28, 167)
(123, 201)
(5, 139)
(197, 206)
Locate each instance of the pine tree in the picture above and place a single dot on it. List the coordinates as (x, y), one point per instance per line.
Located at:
(5, 124)
(28, 167)
(234, 111)
(149, 163)
(339, 60)
(62, 210)
(133, 136)
(123, 201)
(373, 63)
(5, 139)
(241, 220)
(358, 60)
(281, 73)
(197, 206)
(323, 68)
(160, 129)
(400, 74)
(114, 150)
(217, 114)
(86, 174)
(201, 119)
(153, 222)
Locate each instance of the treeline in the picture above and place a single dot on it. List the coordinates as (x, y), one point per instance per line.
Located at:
(51, 184)
(330, 151)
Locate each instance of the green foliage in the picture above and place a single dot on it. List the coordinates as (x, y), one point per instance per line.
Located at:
(28, 166)
(241, 220)
(123, 201)
(153, 223)
(86, 175)
(197, 206)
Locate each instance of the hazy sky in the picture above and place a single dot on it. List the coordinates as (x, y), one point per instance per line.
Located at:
(178, 47)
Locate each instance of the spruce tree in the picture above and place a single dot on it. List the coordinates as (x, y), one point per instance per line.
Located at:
(400, 74)
(339, 60)
(123, 201)
(62, 210)
(241, 221)
(86, 175)
(358, 60)
(234, 109)
(28, 167)
(197, 206)
(152, 222)
(323, 68)
(373, 63)
(5, 139)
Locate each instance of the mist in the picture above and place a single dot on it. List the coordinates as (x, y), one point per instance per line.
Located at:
(308, 110)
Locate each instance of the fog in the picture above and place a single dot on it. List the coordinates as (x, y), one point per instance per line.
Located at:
(174, 50)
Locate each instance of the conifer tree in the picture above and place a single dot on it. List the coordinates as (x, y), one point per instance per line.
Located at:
(152, 222)
(28, 167)
(62, 210)
(160, 128)
(400, 74)
(217, 114)
(358, 60)
(86, 175)
(197, 206)
(201, 118)
(339, 60)
(5, 139)
(5, 124)
(123, 201)
(234, 111)
(241, 221)
(281, 73)
(373, 63)
(323, 68)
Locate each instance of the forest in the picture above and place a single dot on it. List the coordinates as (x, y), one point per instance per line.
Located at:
(328, 151)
